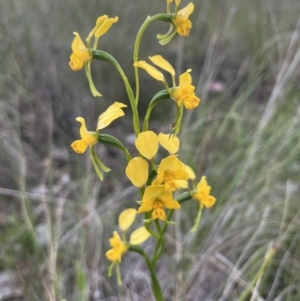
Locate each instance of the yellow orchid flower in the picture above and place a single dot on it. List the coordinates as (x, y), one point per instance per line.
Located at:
(118, 248)
(82, 54)
(181, 20)
(202, 194)
(89, 138)
(182, 94)
(156, 198)
(119, 245)
(170, 170)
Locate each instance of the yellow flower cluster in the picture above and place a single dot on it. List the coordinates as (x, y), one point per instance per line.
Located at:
(157, 183)
(171, 173)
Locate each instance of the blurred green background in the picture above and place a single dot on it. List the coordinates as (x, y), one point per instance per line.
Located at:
(56, 217)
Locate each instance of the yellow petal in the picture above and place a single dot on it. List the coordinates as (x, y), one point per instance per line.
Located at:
(77, 44)
(113, 112)
(113, 255)
(159, 61)
(126, 219)
(99, 21)
(83, 128)
(88, 137)
(150, 69)
(116, 241)
(79, 146)
(159, 213)
(105, 26)
(179, 174)
(170, 143)
(202, 185)
(182, 184)
(153, 192)
(139, 236)
(75, 62)
(183, 25)
(186, 11)
(185, 79)
(147, 205)
(159, 179)
(190, 172)
(209, 201)
(190, 102)
(137, 171)
(147, 144)
(170, 203)
(169, 163)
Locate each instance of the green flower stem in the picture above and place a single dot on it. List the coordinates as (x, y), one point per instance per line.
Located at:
(147, 226)
(159, 249)
(198, 218)
(154, 166)
(158, 227)
(110, 140)
(159, 242)
(162, 17)
(154, 281)
(185, 196)
(178, 119)
(103, 56)
(95, 163)
(151, 175)
(160, 96)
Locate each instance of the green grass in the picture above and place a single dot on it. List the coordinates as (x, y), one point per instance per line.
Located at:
(56, 217)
